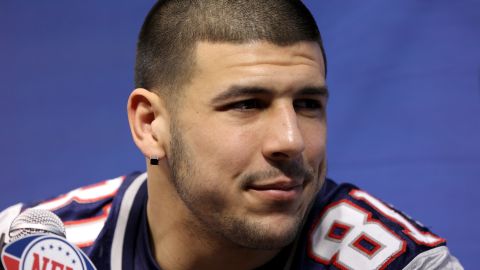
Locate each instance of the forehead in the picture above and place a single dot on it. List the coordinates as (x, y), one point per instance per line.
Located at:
(218, 66)
(219, 56)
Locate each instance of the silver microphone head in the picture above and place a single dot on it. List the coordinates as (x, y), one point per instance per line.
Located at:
(36, 221)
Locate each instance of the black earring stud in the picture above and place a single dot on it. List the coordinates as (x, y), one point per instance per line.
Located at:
(154, 160)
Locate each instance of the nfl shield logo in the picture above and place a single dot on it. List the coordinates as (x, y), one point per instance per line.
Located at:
(44, 252)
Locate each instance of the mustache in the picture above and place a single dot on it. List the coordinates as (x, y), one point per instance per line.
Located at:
(292, 169)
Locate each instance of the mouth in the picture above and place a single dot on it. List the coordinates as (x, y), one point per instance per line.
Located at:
(282, 190)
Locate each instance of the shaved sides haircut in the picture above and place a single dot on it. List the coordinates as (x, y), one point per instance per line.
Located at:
(165, 58)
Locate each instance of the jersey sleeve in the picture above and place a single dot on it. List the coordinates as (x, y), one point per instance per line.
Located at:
(83, 211)
(6, 218)
(437, 258)
(350, 229)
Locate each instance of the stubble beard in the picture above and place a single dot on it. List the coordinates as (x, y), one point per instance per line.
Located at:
(206, 207)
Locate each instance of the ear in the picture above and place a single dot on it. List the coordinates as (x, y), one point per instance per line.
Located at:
(148, 119)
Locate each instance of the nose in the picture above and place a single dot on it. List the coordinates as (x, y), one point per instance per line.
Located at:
(283, 137)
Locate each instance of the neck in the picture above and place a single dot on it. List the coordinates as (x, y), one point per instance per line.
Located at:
(180, 241)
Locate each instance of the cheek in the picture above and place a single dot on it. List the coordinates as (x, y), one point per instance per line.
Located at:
(219, 158)
(222, 152)
(315, 144)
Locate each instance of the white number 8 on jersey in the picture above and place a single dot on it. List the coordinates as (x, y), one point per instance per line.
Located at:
(347, 237)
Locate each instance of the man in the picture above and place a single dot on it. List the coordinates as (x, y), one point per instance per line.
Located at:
(229, 110)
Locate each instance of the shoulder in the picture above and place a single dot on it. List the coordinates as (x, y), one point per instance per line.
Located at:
(350, 229)
(84, 210)
(6, 218)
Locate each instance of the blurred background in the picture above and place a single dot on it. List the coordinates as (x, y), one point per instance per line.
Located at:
(404, 113)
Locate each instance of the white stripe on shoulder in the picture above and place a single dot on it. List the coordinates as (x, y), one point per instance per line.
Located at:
(83, 232)
(6, 218)
(119, 234)
(435, 259)
(88, 194)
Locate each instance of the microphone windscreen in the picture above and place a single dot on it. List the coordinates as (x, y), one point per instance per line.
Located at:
(35, 221)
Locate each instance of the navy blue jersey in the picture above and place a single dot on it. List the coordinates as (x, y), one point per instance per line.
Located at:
(346, 228)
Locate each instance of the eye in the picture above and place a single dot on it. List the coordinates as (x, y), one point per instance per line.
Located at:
(309, 104)
(248, 104)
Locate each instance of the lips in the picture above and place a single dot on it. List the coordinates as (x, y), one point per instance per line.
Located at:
(280, 190)
(277, 186)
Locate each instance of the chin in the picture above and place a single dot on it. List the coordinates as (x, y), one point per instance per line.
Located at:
(274, 233)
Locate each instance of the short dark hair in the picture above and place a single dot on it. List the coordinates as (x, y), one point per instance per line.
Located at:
(165, 49)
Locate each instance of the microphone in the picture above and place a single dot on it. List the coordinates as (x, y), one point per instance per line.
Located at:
(36, 221)
(38, 241)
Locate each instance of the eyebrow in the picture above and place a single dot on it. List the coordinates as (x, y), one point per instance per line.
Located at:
(242, 91)
(315, 91)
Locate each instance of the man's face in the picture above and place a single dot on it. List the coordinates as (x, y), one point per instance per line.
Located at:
(248, 140)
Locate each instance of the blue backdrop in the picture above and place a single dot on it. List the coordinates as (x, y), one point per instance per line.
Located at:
(403, 117)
